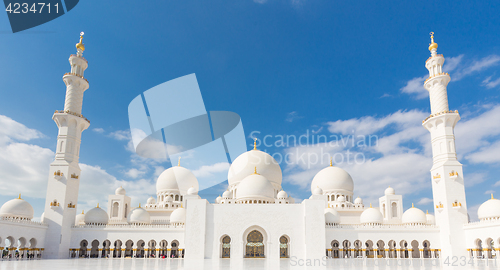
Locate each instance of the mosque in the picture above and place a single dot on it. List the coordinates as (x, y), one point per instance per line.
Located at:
(254, 218)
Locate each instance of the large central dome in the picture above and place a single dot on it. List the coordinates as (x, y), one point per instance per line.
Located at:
(333, 179)
(176, 177)
(245, 164)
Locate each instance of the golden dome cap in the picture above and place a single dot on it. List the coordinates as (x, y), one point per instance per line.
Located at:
(80, 45)
(433, 44)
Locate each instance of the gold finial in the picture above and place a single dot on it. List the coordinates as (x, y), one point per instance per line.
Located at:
(254, 143)
(20, 196)
(412, 206)
(370, 205)
(139, 205)
(80, 45)
(491, 196)
(427, 212)
(433, 45)
(331, 162)
(98, 205)
(255, 170)
(82, 212)
(179, 162)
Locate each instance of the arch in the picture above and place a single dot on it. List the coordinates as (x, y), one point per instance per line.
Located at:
(126, 210)
(94, 250)
(383, 210)
(392, 249)
(426, 249)
(174, 249)
(394, 209)
(254, 246)
(335, 249)
(176, 198)
(404, 249)
(358, 245)
(244, 238)
(21, 243)
(128, 248)
(152, 248)
(83, 248)
(106, 247)
(117, 252)
(140, 249)
(380, 249)
(225, 242)
(284, 246)
(346, 249)
(415, 253)
(115, 207)
(163, 248)
(369, 249)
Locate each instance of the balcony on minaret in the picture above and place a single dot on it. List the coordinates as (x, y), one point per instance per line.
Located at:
(453, 175)
(74, 176)
(456, 205)
(439, 207)
(54, 205)
(437, 177)
(58, 175)
(71, 205)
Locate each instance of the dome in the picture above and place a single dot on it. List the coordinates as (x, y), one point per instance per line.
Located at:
(96, 216)
(332, 216)
(414, 216)
(226, 195)
(80, 219)
(332, 178)
(178, 216)
(120, 191)
(389, 191)
(253, 186)
(431, 220)
(358, 200)
(371, 216)
(282, 195)
(341, 198)
(317, 191)
(245, 164)
(151, 200)
(176, 178)
(218, 199)
(192, 191)
(489, 209)
(138, 216)
(17, 208)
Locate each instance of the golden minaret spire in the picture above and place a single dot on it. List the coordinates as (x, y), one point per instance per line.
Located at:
(80, 45)
(254, 143)
(179, 162)
(433, 44)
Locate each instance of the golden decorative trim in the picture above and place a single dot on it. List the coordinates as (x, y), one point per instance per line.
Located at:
(72, 113)
(443, 112)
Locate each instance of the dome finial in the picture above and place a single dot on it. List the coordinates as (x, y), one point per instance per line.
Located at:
(21, 199)
(370, 205)
(254, 143)
(412, 206)
(255, 170)
(331, 162)
(80, 45)
(491, 196)
(433, 45)
(82, 212)
(179, 162)
(98, 205)
(139, 205)
(427, 212)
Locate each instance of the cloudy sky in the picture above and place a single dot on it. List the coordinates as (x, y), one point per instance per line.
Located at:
(347, 75)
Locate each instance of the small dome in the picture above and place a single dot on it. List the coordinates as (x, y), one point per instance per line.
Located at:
(358, 200)
(255, 186)
(227, 194)
(341, 198)
(488, 210)
(178, 216)
(168, 198)
(371, 216)
(317, 191)
(389, 191)
(80, 219)
(192, 191)
(17, 208)
(431, 220)
(245, 164)
(176, 178)
(414, 216)
(218, 199)
(332, 216)
(282, 195)
(138, 216)
(96, 216)
(151, 200)
(332, 179)
(120, 191)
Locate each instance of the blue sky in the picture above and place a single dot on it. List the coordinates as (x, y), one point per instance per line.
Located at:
(344, 68)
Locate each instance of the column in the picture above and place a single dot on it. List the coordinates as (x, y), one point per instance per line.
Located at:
(122, 253)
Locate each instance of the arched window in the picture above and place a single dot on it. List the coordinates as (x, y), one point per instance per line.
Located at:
(383, 209)
(255, 245)
(394, 211)
(126, 210)
(226, 247)
(115, 209)
(283, 247)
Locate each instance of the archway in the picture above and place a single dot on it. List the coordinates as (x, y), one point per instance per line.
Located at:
(358, 249)
(427, 249)
(152, 248)
(346, 249)
(284, 247)
(83, 248)
(335, 249)
(115, 209)
(380, 249)
(404, 249)
(479, 248)
(32, 248)
(369, 249)
(21, 245)
(392, 249)
(94, 250)
(226, 247)
(117, 252)
(128, 248)
(415, 253)
(140, 249)
(255, 245)
(163, 248)
(490, 246)
(174, 250)
(106, 245)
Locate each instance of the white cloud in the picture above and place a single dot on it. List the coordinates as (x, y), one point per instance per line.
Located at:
(292, 116)
(472, 211)
(491, 84)
(452, 63)
(415, 86)
(487, 154)
(121, 135)
(207, 171)
(134, 173)
(424, 201)
(260, 1)
(476, 66)
(11, 130)
(489, 192)
(385, 95)
(98, 130)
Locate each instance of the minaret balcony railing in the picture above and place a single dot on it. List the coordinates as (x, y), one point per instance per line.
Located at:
(436, 114)
(74, 176)
(453, 175)
(435, 75)
(440, 55)
(74, 74)
(73, 113)
(75, 55)
(58, 175)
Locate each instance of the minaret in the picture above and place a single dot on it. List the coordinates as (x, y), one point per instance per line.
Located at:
(446, 173)
(64, 173)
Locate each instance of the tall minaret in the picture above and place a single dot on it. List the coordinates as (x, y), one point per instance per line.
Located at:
(64, 173)
(447, 178)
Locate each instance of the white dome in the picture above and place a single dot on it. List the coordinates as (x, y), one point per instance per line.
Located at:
(244, 165)
(96, 216)
(317, 191)
(192, 191)
(255, 186)
(489, 209)
(431, 220)
(138, 216)
(17, 208)
(120, 191)
(151, 200)
(371, 216)
(226, 195)
(178, 216)
(332, 179)
(176, 178)
(80, 219)
(358, 200)
(389, 191)
(414, 216)
(282, 195)
(332, 216)
(341, 198)
(218, 199)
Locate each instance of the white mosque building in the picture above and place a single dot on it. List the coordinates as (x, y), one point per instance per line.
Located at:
(254, 218)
